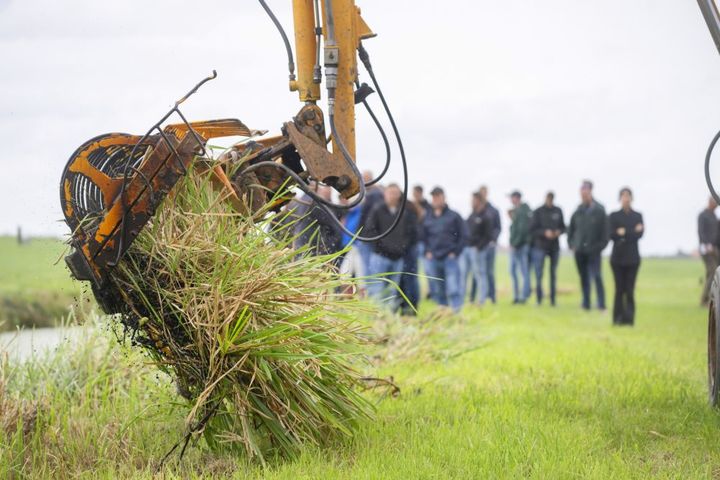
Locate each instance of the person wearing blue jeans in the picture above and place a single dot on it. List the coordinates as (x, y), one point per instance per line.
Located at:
(389, 252)
(521, 216)
(495, 229)
(446, 273)
(547, 226)
(384, 288)
(445, 236)
(588, 236)
(480, 225)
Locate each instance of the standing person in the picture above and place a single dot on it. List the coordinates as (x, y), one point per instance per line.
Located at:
(521, 216)
(587, 237)
(373, 197)
(626, 228)
(708, 235)
(547, 226)
(480, 225)
(492, 247)
(445, 237)
(469, 253)
(388, 252)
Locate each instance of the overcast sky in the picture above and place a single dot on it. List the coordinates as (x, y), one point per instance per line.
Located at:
(528, 95)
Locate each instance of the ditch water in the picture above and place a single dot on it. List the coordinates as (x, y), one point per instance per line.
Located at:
(23, 345)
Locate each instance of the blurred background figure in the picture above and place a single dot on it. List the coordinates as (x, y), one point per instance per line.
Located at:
(423, 209)
(445, 236)
(587, 237)
(547, 226)
(708, 236)
(480, 226)
(389, 252)
(626, 228)
(373, 197)
(492, 247)
(409, 280)
(469, 254)
(521, 217)
(351, 263)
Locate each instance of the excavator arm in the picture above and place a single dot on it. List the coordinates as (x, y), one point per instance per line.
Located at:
(113, 184)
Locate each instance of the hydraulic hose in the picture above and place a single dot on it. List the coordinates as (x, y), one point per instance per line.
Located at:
(288, 48)
(708, 157)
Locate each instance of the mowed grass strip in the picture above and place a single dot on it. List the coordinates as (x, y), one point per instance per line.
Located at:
(502, 392)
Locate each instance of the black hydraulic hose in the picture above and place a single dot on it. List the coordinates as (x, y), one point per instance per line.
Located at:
(708, 156)
(288, 48)
(388, 154)
(301, 183)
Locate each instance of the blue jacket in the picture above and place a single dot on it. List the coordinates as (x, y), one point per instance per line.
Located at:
(444, 234)
(351, 220)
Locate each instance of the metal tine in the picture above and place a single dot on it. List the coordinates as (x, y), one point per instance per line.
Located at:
(156, 126)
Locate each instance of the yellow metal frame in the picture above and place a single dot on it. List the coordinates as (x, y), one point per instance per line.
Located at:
(350, 29)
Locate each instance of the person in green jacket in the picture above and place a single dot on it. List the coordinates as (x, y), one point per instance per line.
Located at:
(588, 237)
(521, 216)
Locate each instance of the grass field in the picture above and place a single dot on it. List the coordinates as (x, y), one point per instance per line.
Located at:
(35, 287)
(502, 392)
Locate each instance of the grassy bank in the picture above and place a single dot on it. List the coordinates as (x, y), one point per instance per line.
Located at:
(35, 289)
(502, 392)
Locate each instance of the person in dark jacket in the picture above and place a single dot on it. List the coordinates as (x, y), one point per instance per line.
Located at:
(492, 247)
(708, 236)
(626, 228)
(521, 216)
(587, 237)
(480, 227)
(389, 251)
(547, 226)
(445, 236)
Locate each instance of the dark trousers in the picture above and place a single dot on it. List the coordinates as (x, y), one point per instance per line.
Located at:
(588, 265)
(624, 307)
(710, 260)
(538, 262)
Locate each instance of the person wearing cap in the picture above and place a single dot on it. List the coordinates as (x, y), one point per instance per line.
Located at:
(445, 237)
(521, 216)
(547, 226)
(626, 228)
(708, 236)
(588, 237)
(492, 247)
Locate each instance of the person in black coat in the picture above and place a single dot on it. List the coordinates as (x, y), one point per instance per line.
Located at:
(390, 251)
(626, 228)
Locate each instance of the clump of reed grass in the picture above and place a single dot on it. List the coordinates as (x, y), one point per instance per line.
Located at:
(259, 343)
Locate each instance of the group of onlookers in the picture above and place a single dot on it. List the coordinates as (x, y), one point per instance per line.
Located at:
(458, 255)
